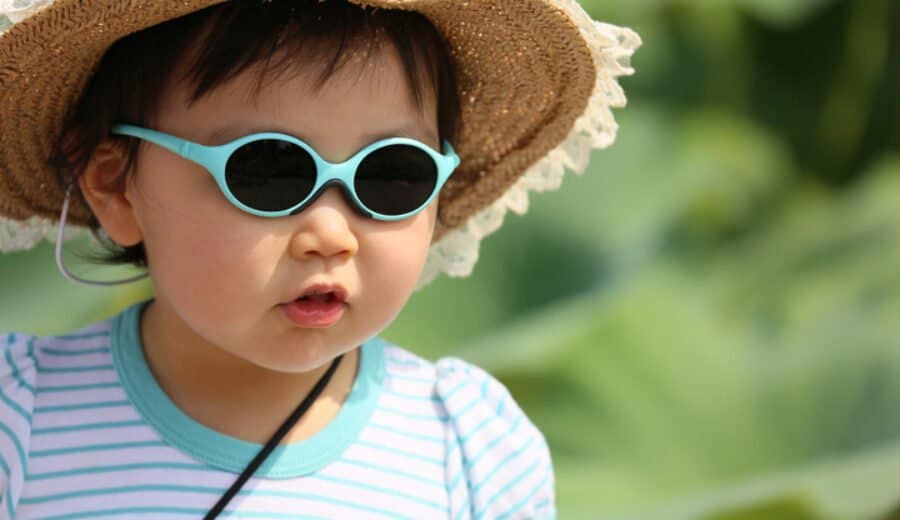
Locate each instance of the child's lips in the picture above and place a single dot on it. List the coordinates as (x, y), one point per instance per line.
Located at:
(317, 306)
(314, 313)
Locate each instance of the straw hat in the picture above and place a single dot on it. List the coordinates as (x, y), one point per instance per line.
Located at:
(537, 81)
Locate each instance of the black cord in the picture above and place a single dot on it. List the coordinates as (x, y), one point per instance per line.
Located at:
(273, 442)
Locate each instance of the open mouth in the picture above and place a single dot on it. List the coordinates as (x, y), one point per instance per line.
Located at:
(319, 306)
(322, 294)
(329, 297)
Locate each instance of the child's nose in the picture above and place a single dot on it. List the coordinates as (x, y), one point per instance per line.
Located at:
(325, 228)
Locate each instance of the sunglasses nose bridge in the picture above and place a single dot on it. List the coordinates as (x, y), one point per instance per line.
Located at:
(347, 192)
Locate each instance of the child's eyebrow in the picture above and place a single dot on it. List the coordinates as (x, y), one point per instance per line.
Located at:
(416, 131)
(231, 132)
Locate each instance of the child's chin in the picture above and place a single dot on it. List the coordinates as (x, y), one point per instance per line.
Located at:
(299, 360)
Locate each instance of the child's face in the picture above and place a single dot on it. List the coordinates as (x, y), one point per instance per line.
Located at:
(221, 275)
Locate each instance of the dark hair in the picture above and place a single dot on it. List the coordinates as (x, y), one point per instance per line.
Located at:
(219, 43)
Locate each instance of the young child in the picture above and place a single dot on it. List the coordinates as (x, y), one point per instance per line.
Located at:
(288, 172)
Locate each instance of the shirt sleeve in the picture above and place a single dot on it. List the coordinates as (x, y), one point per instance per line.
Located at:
(499, 464)
(17, 377)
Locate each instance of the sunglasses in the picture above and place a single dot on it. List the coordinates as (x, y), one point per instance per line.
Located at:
(275, 175)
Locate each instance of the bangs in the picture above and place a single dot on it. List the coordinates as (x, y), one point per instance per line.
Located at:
(277, 38)
(284, 38)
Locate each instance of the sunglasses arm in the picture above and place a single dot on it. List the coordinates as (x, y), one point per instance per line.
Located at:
(187, 149)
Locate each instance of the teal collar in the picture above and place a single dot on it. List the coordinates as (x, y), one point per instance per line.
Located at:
(228, 453)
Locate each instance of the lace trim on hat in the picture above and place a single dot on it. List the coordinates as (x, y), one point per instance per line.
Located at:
(23, 235)
(612, 47)
(18, 10)
(457, 253)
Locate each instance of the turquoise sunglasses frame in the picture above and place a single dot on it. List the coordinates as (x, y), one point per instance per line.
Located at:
(215, 159)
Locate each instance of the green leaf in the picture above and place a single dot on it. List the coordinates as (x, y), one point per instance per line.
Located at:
(37, 299)
(785, 13)
(764, 379)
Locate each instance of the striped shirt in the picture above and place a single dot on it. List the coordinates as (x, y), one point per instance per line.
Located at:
(86, 432)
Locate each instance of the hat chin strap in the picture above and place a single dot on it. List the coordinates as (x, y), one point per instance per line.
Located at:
(59, 262)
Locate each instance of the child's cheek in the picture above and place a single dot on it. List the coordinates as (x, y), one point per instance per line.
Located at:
(391, 263)
(195, 257)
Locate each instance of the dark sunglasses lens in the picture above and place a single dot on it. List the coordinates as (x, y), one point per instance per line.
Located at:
(396, 179)
(270, 175)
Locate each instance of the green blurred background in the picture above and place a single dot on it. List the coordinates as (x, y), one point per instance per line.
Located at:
(704, 325)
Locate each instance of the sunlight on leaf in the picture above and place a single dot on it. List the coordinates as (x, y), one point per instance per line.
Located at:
(784, 13)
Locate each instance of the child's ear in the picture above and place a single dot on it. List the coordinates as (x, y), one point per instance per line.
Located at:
(105, 190)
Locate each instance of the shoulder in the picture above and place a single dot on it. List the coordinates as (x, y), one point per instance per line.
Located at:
(24, 359)
(458, 385)
(18, 374)
(499, 463)
(23, 356)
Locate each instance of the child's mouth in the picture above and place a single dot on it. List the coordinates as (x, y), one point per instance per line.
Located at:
(318, 307)
(319, 298)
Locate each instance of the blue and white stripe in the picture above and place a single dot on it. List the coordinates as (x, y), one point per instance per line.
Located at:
(445, 440)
